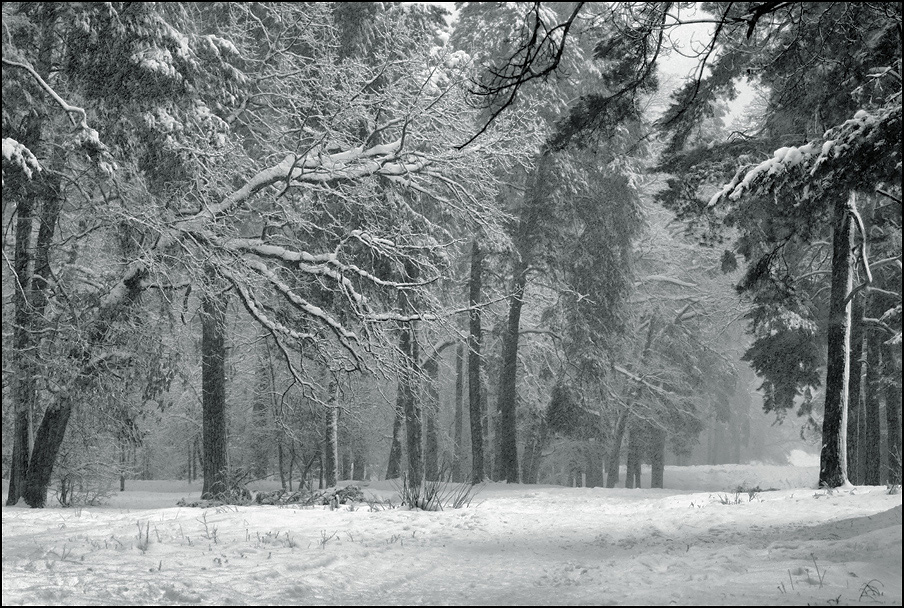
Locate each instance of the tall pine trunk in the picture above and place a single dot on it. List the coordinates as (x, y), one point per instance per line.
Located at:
(635, 451)
(475, 336)
(871, 451)
(612, 461)
(22, 386)
(458, 420)
(507, 429)
(833, 456)
(394, 467)
(892, 378)
(408, 401)
(213, 390)
(431, 410)
(656, 447)
(855, 439)
(331, 437)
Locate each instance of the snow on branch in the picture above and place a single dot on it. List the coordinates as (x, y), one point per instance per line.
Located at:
(316, 167)
(20, 157)
(864, 149)
(69, 109)
(347, 338)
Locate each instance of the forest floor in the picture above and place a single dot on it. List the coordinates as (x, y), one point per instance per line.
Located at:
(698, 543)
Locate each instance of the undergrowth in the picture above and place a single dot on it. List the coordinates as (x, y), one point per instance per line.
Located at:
(435, 495)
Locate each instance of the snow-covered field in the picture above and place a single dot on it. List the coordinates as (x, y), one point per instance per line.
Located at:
(515, 544)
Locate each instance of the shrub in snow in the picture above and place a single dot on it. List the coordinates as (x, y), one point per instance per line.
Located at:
(435, 495)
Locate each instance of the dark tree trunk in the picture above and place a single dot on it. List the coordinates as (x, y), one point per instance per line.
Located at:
(507, 429)
(331, 439)
(833, 458)
(872, 403)
(612, 461)
(47, 445)
(408, 401)
(656, 446)
(635, 450)
(22, 387)
(431, 409)
(261, 428)
(475, 336)
(855, 426)
(892, 378)
(458, 424)
(394, 467)
(213, 391)
(594, 465)
(280, 460)
(359, 464)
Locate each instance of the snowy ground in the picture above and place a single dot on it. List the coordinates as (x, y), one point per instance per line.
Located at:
(515, 545)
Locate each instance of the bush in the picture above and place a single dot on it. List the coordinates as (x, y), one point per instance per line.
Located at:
(435, 495)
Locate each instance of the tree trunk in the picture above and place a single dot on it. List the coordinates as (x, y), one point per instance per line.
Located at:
(331, 439)
(458, 424)
(872, 403)
(475, 337)
(213, 391)
(408, 401)
(22, 386)
(359, 464)
(47, 446)
(833, 457)
(394, 467)
(612, 461)
(261, 443)
(635, 450)
(657, 438)
(855, 439)
(594, 465)
(431, 409)
(507, 429)
(892, 378)
(280, 459)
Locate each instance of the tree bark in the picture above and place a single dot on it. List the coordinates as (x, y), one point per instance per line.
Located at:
(506, 429)
(635, 450)
(856, 441)
(22, 387)
(872, 403)
(431, 409)
(833, 457)
(475, 337)
(331, 439)
(612, 462)
(394, 467)
(213, 391)
(408, 400)
(657, 438)
(458, 424)
(47, 446)
(892, 378)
